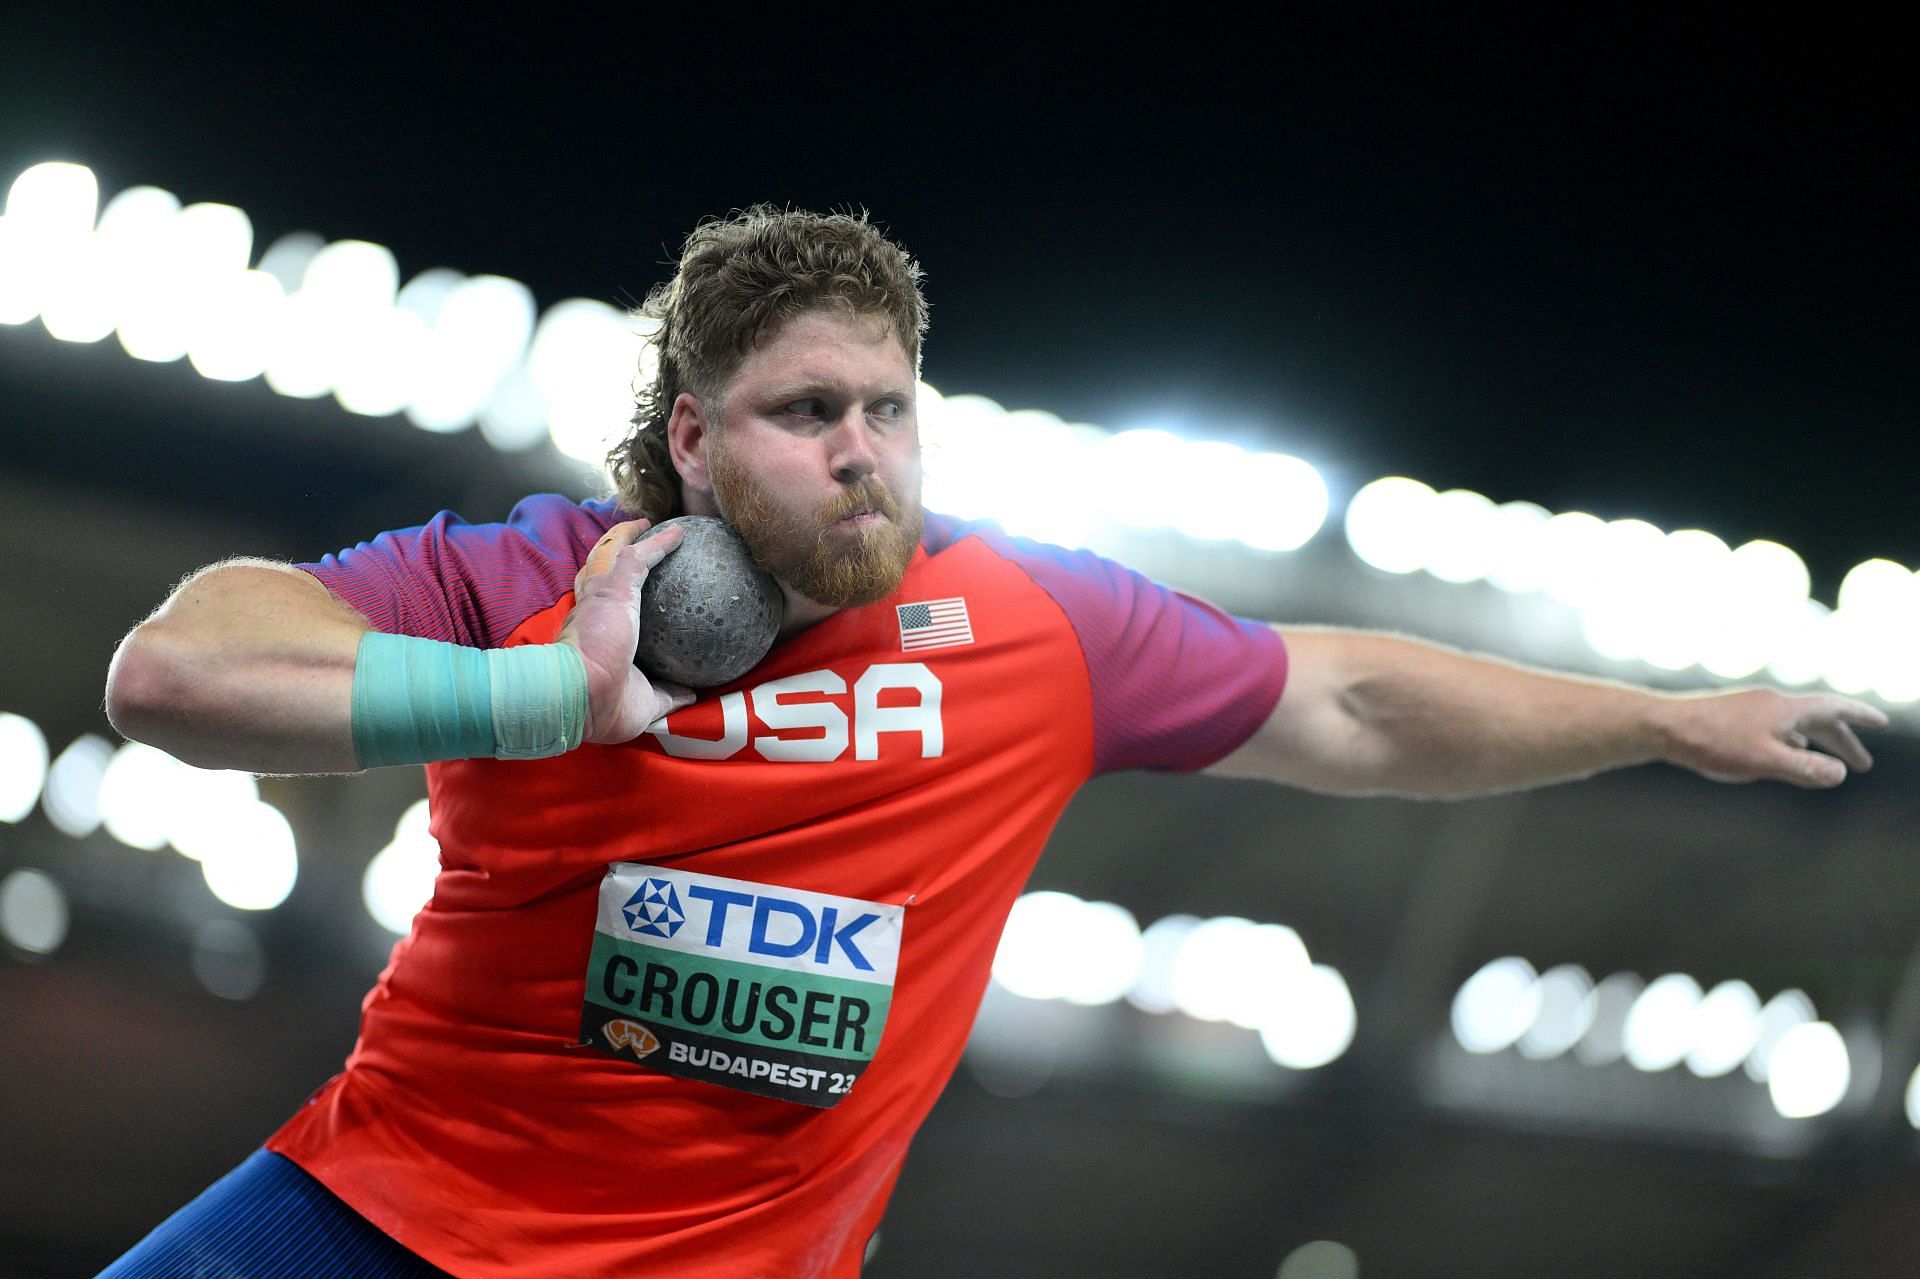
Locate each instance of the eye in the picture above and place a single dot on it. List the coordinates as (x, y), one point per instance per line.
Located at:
(811, 406)
(891, 410)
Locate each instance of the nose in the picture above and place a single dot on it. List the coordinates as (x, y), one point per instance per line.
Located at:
(850, 455)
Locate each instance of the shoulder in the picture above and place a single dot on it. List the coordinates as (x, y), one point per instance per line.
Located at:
(468, 583)
(556, 523)
(1176, 682)
(946, 533)
(1087, 585)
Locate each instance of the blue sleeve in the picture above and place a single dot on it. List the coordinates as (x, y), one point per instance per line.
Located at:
(468, 583)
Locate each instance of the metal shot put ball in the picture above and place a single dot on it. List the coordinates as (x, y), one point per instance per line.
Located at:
(708, 613)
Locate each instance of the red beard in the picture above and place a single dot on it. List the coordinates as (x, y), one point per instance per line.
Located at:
(831, 563)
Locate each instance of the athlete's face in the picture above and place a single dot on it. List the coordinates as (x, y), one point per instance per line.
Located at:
(814, 455)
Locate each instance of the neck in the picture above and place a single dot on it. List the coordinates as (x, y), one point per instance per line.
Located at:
(801, 612)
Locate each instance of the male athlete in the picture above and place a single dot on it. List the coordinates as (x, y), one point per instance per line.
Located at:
(695, 969)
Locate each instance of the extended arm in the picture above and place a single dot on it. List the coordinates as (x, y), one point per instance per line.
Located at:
(251, 664)
(1378, 714)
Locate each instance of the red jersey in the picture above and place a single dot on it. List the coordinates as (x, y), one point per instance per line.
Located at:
(677, 1006)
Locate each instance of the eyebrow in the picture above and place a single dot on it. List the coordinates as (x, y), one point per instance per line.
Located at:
(802, 387)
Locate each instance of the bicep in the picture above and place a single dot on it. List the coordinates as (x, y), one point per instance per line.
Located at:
(1311, 739)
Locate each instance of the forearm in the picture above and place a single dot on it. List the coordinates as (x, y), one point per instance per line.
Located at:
(1368, 714)
(255, 666)
(249, 666)
(1430, 721)
(1372, 714)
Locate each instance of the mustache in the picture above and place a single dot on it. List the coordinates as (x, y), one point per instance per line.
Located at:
(868, 495)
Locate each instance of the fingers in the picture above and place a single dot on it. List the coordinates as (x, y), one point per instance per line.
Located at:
(657, 545)
(1839, 739)
(1859, 714)
(611, 543)
(1827, 723)
(623, 557)
(1809, 769)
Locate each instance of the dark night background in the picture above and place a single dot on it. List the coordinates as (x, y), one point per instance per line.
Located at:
(1648, 272)
(1663, 270)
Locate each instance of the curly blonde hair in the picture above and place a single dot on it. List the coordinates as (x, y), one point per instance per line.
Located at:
(739, 278)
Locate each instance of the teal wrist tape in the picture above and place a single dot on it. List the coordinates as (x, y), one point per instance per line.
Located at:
(418, 700)
(539, 700)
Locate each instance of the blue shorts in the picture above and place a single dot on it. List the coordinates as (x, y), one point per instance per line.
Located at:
(268, 1218)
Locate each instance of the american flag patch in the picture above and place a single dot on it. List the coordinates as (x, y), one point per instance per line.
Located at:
(933, 624)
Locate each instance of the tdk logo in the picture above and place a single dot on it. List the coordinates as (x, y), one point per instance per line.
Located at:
(740, 921)
(778, 927)
(654, 909)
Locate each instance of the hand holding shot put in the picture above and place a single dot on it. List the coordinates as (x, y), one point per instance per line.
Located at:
(702, 618)
(605, 626)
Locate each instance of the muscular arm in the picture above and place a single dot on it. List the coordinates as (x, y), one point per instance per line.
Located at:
(1378, 714)
(248, 665)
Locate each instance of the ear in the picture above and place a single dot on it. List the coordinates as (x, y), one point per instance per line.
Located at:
(688, 430)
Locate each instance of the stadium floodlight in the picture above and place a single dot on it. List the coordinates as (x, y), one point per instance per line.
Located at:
(1567, 1008)
(475, 336)
(1160, 942)
(23, 766)
(1131, 472)
(238, 333)
(1664, 1024)
(1800, 650)
(1605, 1041)
(1762, 597)
(1056, 946)
(399, 879)
(1728, 1027)
(1786, 1010)
(102, 280)
(966, 460)
(1025, 495)
(1690, 573)
(207, 801)
(1519, 547)
(176, 291)
(136, 795)
(251, 862)
(1496, 1005)
(583, 361)
(1284, 503)
(1811, 1071)
(286, 259)
(45, 236)
(1387, 523)
(1617, 614)
(1216, 472)
(33, 911)
(1461, 534)
(1034, 945)
(1231, 969)
(1313, 1021)
(71, 797)
(1572, 547)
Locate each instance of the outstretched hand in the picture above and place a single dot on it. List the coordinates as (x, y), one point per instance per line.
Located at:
(1758, 734)
(605, 627)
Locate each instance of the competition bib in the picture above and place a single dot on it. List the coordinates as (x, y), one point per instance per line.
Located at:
(766, 989)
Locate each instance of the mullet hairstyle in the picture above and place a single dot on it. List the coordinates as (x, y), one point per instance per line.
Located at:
(739, 279)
